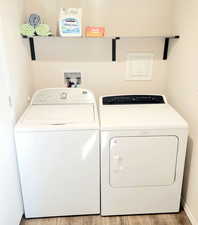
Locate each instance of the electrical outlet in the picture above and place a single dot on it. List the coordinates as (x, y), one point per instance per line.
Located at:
(72, 79)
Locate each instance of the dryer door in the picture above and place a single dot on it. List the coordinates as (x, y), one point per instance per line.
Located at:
(143, 161)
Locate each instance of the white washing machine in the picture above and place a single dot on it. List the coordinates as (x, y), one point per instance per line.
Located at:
(57, 141)
(143, 147)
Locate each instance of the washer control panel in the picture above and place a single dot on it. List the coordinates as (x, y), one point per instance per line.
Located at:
(133, 99)
(62, 96)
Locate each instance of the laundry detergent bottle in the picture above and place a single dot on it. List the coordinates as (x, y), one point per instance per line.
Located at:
(70, 24)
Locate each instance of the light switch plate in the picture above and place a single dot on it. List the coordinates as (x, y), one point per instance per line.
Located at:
(139, 66)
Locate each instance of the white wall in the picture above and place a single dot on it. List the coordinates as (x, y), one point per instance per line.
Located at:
(183, 91)
(11, 203)
(101, 78)
(15, 60)
(12, 14)
(128, 18)
(93, 59)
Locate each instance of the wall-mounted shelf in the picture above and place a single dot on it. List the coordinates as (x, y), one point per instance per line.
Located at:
(114, 44)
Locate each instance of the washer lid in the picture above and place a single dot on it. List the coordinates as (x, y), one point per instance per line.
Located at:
(117, 117)
(59, 117)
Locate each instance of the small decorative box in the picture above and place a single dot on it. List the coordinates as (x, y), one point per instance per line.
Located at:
(95, 31)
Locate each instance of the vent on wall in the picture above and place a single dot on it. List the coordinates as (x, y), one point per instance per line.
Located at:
(139, 66)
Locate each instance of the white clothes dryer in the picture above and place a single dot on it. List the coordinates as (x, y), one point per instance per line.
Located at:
(143, 148)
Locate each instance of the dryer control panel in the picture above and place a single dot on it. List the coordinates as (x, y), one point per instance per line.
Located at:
(133, 99)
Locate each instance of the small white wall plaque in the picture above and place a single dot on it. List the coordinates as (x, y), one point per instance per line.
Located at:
(139, 66)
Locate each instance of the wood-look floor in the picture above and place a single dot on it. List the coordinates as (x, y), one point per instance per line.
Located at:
(161, 219)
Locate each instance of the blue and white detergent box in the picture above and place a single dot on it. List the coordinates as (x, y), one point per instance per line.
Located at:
(70, 24)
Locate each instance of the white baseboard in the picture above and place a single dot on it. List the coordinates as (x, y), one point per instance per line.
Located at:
(189, 213)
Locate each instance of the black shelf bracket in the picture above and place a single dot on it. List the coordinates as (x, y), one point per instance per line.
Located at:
(32, 48)
(114, 48)
(166, 46)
